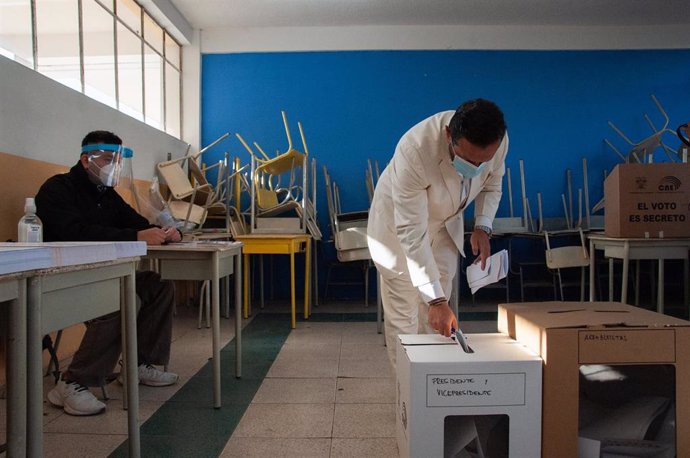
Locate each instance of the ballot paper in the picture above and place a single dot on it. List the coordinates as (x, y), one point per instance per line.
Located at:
(496, 269)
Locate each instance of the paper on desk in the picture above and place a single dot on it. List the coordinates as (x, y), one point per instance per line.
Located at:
(496, 269)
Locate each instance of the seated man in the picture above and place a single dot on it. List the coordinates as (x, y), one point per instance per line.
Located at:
(82, 205)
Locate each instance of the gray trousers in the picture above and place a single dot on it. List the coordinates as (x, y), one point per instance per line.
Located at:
(101, 346)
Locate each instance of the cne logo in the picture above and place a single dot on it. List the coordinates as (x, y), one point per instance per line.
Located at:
(641, 182)
(669, 183)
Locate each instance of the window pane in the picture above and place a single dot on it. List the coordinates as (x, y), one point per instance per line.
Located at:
(57, 26)
(129, 72)
(172, 101)
(15, 31)
(172, 51)
(108, 4)
(99, 53)
(130, 13)
(153, 74)
(153, 33)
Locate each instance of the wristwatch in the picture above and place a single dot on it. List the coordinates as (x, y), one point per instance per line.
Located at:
(437, 301)
(486, 229)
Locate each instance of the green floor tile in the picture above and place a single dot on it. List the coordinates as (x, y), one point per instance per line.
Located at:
(233, 391)
(188, 425)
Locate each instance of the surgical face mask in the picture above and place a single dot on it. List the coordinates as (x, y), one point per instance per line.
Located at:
(466, 169)
(104, 163)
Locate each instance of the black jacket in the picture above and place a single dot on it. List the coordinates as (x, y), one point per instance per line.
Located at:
(72, 208)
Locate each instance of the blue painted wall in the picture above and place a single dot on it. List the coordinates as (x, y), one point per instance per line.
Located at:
(356, 105)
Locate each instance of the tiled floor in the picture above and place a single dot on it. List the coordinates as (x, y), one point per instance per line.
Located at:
(329, 392)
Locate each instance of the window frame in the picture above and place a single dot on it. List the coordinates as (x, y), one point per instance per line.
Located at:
(111, 7)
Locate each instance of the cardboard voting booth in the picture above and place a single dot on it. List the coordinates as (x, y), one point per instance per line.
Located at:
(648, 200)
(456, 404)
(615, 377)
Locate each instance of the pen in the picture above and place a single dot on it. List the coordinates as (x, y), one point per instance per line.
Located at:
(459, 338)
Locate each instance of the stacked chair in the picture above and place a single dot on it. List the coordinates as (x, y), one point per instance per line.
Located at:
(187, 202)
(349, 229)
(349, 232)
(642, 152)
(369, 178)
(281, 193)
(281, 200)
(191, 197)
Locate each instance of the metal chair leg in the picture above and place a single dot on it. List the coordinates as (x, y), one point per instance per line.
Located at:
(366, 284)
(54, 362)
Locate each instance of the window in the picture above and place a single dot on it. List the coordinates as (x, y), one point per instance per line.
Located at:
(153, 34)
(16, 38)
(99, 59)
(57, 36)
(153, 87)
(111, 50)
(172, 100)
(129, 73)
(172, 87)
(130, 14)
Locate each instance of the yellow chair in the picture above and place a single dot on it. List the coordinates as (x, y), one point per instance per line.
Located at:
(270, 199)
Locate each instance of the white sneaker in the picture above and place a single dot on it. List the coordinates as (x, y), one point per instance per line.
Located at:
(75, 399)
(150, 376)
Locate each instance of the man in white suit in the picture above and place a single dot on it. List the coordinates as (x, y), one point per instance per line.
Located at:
(415, 228)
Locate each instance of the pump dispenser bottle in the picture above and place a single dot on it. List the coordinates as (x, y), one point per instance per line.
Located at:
(30, 228)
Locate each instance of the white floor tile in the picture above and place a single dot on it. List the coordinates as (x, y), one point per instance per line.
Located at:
(364, 420)
(296, 391)
(377, 447)
(262, 447)
(286, 420)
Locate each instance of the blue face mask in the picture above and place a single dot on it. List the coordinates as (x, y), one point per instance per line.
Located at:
(467, 169)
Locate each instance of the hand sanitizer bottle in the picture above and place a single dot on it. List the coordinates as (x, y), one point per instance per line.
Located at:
(30, 228)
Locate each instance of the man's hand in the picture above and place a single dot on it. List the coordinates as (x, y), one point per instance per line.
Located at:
(442, 318)
(172, 234)
(480, 245)
(152, 236)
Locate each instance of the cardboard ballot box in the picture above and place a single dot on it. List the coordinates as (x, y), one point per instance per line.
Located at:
(647, 200)
(456, 404)
(615, 377)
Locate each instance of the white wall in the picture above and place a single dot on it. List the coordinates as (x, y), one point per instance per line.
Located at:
(42, 119)
(508, 37)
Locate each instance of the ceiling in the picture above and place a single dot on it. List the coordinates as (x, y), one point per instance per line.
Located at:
(208, 14)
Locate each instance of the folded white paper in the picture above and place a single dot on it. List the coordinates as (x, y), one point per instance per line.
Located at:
(496, 269)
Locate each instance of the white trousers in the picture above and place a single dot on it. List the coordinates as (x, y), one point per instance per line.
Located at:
(404, 311)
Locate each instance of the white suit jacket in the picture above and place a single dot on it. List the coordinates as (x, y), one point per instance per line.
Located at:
(419, 197)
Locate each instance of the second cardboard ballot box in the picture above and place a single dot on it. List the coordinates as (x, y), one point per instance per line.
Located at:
(456, 404)
(648, 200)
(616, 377)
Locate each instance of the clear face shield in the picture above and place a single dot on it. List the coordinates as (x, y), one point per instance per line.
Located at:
(105, 162)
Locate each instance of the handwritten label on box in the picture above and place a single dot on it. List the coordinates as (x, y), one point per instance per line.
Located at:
(470, 390)
(640, 345)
